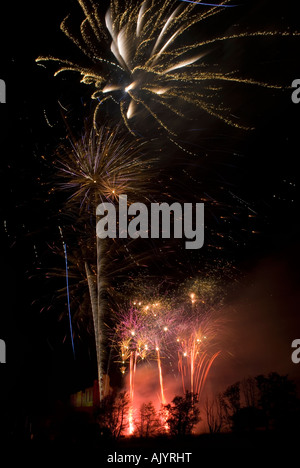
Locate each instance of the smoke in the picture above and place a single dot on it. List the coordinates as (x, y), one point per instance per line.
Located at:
(262, 320)
(147, 386)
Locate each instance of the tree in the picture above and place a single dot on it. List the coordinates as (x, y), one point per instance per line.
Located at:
(231, 403)
(278, 401)
(249, 391)
(269, 402)
(183, 414)
(148, 423)
(214, 412)
(113, 412)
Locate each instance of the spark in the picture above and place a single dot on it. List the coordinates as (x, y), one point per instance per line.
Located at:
(47, 120)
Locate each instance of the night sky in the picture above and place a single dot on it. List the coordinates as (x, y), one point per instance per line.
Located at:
(246, 171)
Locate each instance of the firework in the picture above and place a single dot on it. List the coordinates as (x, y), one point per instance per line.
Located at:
(99, 167)
(194, 359)
(140, 332)
(139, 56)
(102, 165)
(145, 326)
(173, 326)
(198, 343)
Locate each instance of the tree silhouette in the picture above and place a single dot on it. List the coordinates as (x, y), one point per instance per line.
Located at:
(214, 412)
(112, 413)
(148, 424)
(183, 414)
(231, 403)
(249, 391)
(278, 401)
(264, 402)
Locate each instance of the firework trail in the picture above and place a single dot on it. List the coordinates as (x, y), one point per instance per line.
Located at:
(131, 346)
(68, 293)
(208, 4)
(139, 57)
(133, 357)
(194, 365)
(163, 400)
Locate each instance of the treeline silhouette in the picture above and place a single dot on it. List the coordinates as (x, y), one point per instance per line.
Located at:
(176, 419)
(261, 403)
(264, 408)
(255, 404)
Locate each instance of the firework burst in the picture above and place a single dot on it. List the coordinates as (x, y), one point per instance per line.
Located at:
(169, 327)
(139, 56)
(102, 165)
